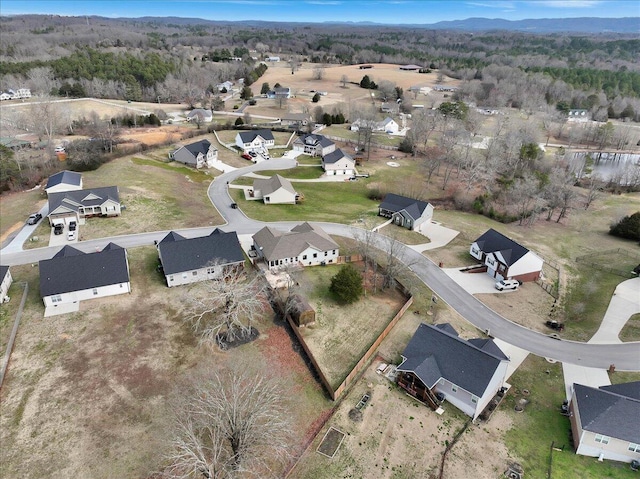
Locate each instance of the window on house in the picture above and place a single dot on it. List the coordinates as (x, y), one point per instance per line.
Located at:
(184, 275)
(634, 447)
(56, 299)
(195, 273)
(454, 389)
(170, 278)
(95, 291)
(315, 255)
(326, 253)
(334, 251)
(210, 270)
(304, 256)
(474, 399)
(602, 439)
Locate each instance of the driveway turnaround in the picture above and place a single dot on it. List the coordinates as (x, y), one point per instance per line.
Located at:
(624, 303)
(625, 356)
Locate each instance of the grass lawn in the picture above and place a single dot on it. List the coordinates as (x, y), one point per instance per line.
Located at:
(541, 423)
(631, 330)
(343, 333)
(404, 235)
(320, 203)
(299, 173)
(309, 160)
(17, 207)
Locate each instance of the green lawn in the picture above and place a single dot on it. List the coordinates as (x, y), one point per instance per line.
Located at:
(631, 330)
(342, 202)
(299, 173)
(530, 437)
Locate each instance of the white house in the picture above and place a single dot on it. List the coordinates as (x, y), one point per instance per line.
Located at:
(605, 421)
(274, 191)
(5, 283)
(439, 365)
(255, 140)
(201, 154)
(304, 245)
(314, 145)
(72, 276)
(388, 125)
(190, 260)
(201, 115)
(64, 181)
(578, 116)
(227, 85)
(5, 96)
(407, 212)
(77, 205)
(506, 259)
(279, 92)
(338, 163)
(273, 59)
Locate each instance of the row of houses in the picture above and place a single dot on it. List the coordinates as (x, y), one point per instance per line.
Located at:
(18, 94)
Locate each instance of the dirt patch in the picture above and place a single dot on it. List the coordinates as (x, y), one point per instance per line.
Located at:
(154, 136)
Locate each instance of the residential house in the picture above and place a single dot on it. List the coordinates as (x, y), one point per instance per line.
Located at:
(189, 260)
(439, 365)
(279, 92)
(392, 107)
(255, 140)
(201, 154)
(407, 212)
(64, 181)
(314, 145)
(200, 115)
(5, 283)
(304, 245)
(5, 96)
(388, 125)
(77, 205)
(274, 191)
(338, 163)
(72, 276)
(444, 88)
(296, 120)
(273, 59)
(506, 259)
(226, 86)
(605, 421)
(410, 68)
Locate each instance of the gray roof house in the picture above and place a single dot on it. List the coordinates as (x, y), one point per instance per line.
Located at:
(467, 373)
(297, 120)
(506, 258)
(200, 114)
(314, 145)
(189, 260)
(64, 181)
(274, 190)
(78, 205)
(72, 276)
(304, 245)
(5, 282)
(406, 212)
(199, 154)
(605, 421)
(338, 163)
(255, 139)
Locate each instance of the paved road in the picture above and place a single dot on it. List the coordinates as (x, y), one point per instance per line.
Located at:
(626, 356)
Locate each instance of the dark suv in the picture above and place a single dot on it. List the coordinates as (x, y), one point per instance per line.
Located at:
(72, 226)
(58, 229)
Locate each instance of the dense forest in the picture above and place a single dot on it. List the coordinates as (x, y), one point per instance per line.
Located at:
(150, 59)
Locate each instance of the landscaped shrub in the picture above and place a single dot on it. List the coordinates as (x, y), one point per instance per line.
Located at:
(346, 285)
(628, 227)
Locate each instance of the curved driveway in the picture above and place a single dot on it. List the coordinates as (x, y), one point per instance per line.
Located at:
(625, 356)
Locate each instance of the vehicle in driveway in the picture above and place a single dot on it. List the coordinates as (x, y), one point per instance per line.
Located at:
(71, 235)
(72, 226)
(34, 218)
(507, 284)
(253, 154)
(247, 156)
(58, 229)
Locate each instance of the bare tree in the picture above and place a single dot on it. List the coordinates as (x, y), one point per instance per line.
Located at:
(247, 118)
(344, 79)
(227, 425)
(224, 310)
(294, 63)
(318, 72)
(593, 192)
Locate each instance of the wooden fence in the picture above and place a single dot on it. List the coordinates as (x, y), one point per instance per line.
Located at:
(354, 142)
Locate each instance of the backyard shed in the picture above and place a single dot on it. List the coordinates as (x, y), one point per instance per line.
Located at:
(301, 311)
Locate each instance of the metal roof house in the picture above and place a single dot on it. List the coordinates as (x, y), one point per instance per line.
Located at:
(605, 421)
(72, 276)
(406, 212)
(190, 260)
(506, 259)
(468, 373)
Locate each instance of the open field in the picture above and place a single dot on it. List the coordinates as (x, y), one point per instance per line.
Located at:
(86, 393)
(343, 333)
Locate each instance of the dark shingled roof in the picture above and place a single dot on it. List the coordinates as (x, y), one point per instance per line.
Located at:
(201, 146)
(605, 411)
(492, 241)
(396, 203)
(67, 177)
(180, 254)
(436, 352)
(3, 272)
(249, 136)
(88, 197)
(314, 140)
(73, 270)
(335, 156)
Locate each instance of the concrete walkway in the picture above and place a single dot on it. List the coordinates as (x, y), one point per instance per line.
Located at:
(624, 303)
(516, 356)
(439, 235)
(574, 373)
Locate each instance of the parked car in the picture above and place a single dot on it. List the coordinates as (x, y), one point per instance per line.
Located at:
(234, 206)
(253, 153)
(58, 229)
(507, 284)
(72, 226)
(246, 156)
(71, 235)
(34, 218)
(60, 149)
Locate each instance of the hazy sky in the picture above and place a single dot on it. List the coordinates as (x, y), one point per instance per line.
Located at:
(381, 11)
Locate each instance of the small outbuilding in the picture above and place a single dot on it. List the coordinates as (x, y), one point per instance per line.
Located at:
(301, 311)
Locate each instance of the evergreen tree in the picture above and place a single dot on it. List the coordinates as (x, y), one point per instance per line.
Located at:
(346, 285)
